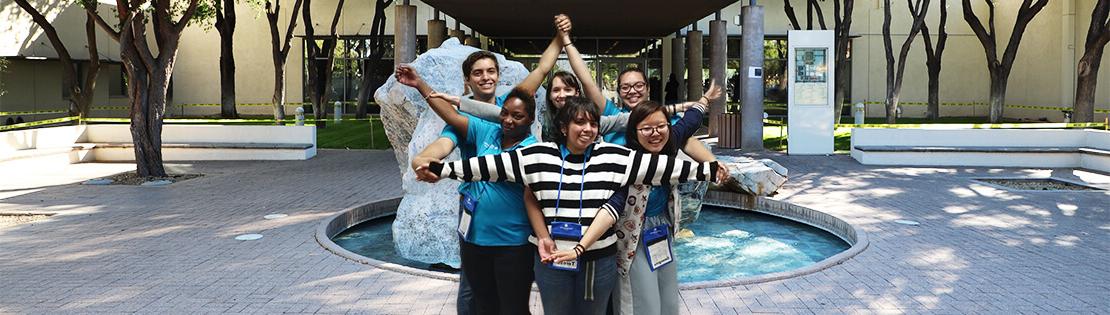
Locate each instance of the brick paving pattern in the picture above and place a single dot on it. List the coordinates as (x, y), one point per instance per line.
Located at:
(122, 249)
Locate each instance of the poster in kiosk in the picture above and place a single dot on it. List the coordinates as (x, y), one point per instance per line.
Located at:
(810, 94)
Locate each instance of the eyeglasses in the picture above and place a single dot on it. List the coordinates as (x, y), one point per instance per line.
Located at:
(647, 131)
(638, 86)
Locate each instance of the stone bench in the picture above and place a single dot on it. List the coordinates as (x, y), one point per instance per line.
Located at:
(209, 151)
(1038, 148)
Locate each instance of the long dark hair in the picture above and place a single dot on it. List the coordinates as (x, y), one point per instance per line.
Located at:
(548, 128)
(574, 106)
(638, 114)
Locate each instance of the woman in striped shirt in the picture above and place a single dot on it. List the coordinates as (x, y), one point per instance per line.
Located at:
(572, 180)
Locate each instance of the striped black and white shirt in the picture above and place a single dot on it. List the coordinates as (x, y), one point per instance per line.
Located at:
(608, 167)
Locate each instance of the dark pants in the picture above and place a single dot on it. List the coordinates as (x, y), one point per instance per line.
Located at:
(464, 305)
(499, 276)
(583, 292)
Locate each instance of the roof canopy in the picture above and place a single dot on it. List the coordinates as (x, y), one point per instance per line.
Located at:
(591, 18)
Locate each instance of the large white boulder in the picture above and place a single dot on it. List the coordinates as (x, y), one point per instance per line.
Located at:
(424, 229)
(754, 177)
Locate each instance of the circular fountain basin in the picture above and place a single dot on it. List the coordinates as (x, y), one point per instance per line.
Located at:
(737, 240)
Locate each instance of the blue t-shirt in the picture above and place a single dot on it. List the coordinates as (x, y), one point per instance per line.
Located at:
(615, 136)
(657, 201)
(500, 218)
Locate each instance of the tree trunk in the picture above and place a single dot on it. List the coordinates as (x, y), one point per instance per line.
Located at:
(88, 87)
(225, 24)
(364, 89)
(280, 52)
(1098, 35)
(1085, 85)
(932, 112)
(279, 93)
(998, 96)
(842, 23)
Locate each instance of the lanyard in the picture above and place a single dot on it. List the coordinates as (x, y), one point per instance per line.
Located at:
(581, 186)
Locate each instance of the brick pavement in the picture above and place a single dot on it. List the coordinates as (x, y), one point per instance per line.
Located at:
(171, 250)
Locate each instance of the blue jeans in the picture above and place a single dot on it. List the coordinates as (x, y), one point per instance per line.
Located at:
(586, 291)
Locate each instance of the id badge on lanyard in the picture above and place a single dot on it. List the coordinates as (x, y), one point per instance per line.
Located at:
(566, 235)
(469, 206)
(657, 246)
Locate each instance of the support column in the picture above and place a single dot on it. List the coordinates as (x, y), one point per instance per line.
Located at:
(694, 79)
(437, 31)
(457, 32)
(718, 54)
(751, 93)
(678, 65)
(404, 34)
(472, 40)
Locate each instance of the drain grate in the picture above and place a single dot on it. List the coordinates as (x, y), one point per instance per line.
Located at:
(10, 219)
(1036, 184)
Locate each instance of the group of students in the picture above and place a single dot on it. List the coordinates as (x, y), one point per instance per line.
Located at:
(590, 222)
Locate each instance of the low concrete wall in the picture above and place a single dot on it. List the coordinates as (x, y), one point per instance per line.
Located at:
(75, 144)
(981, 147)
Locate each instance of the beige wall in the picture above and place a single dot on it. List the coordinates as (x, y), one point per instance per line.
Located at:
(1043, 73)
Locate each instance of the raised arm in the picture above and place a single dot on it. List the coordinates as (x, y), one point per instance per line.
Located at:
(581, 70)
(532, 82)
(407, 75)
(656, 170)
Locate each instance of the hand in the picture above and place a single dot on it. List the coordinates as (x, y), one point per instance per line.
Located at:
(406, 75)
(564, 255)
(454, 100)
(546, 247)
(425, 175)
(420, 167)
(713, 93)
(723, 173)
(563, 27)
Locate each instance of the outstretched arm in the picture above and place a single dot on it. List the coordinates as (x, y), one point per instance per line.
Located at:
(581, 70)
(532, 82)
(612, 123)
(504, 167)
(480, 109)
(656, 170)
(407, 75)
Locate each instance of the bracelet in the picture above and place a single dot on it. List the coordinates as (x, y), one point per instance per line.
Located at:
(568, 44)
(706, 100)
(579, 249)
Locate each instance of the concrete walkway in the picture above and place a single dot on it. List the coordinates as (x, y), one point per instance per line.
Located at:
(124, 249)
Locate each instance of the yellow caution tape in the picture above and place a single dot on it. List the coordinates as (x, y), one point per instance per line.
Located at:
(36, 112)
(978, 126)
(38, 123)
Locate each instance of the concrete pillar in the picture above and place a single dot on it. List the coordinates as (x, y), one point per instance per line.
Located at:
(751, 93)
(678, 65)
(457, 32)
(694, 79)
(718, 61)
(472, 41)
(404, 34)
(437, 33)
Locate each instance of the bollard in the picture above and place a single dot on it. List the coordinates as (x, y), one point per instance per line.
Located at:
(861, 112)
(338, 111)
(300, 116)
